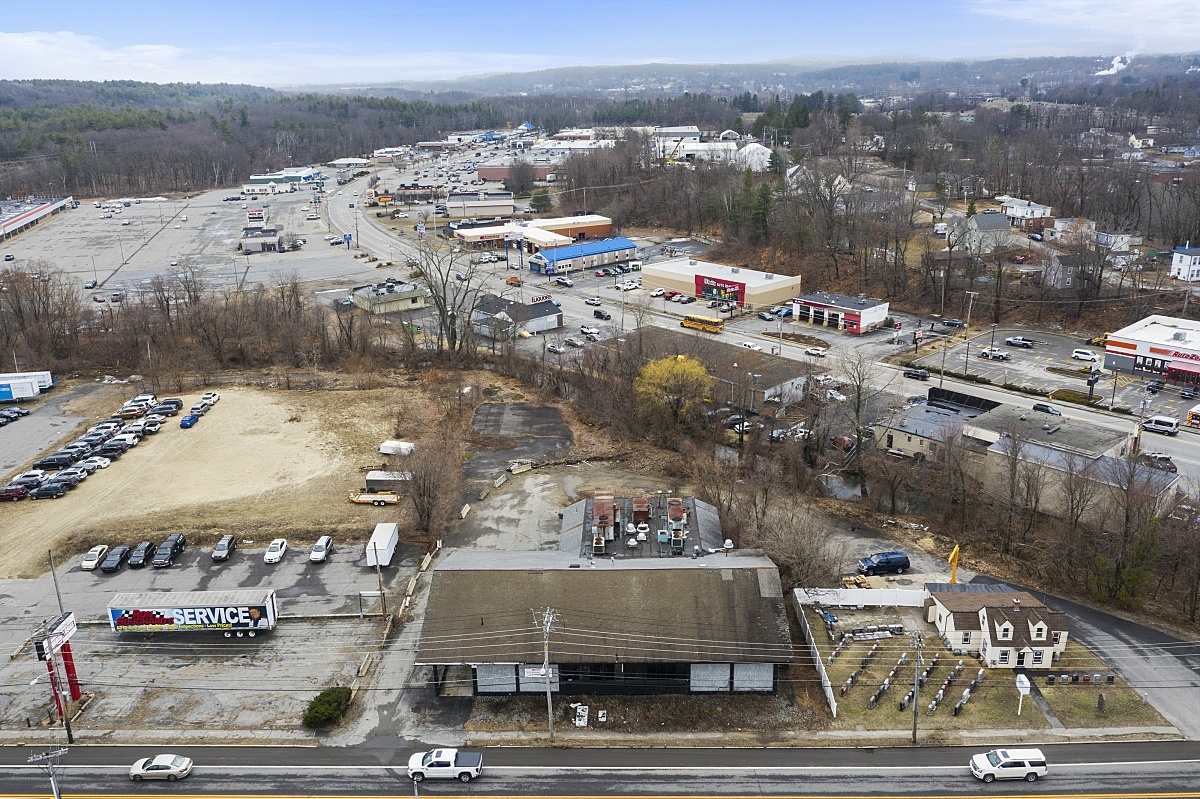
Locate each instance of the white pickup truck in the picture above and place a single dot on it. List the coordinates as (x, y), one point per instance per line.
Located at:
(995, 354)
(445, 764)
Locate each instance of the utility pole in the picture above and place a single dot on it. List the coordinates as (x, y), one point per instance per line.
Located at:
(379, 576)
(916, 703)
(54, 575)
(49, 761)
(548, 619)
(966, 330)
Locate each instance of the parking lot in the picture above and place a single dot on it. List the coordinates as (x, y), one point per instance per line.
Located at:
(1030, 367)
(255, 687)
(159, 241)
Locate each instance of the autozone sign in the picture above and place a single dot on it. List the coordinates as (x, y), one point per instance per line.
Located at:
(539, 298)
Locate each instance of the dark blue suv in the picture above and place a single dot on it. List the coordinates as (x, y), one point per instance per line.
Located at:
(883, 562)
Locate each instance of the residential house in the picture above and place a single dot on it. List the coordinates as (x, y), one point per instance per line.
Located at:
(1185, 264)
(1016, 209)
(1008, 629)
(922, 184)
(1112, 240)
(499, 318)
(1071, 231)
(1062, 271)
(983, 233)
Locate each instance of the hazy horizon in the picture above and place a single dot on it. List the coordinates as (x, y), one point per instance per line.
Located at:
(305, 42)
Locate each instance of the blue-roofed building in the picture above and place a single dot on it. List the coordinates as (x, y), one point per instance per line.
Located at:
(1185, 264)
(586, 255)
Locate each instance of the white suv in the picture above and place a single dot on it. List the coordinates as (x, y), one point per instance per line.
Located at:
(1084, 355)
(1009, 764)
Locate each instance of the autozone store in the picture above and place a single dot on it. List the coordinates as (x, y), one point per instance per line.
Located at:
(1161, 346)
(747, 288)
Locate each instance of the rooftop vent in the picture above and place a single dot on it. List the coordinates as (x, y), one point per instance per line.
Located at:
(770, 276)
(691, 262)
(1052, 430)
(1179, 335)
(1016, 605)
(735, 270)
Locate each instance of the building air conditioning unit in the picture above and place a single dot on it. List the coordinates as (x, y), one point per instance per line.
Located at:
(735, 270)
(1179, 335)
(770, 276)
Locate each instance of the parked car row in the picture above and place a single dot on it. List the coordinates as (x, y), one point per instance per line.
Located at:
(10, 415)
(141, 554)
(53, 475)
(163, 555)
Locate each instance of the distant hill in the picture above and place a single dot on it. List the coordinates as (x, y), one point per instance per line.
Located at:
(881, 78)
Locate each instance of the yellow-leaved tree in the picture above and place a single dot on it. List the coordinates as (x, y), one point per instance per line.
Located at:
(675, 384)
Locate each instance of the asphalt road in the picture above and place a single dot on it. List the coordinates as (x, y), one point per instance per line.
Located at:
(1125, 769)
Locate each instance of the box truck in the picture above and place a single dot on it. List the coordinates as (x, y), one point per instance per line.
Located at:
(382, 545)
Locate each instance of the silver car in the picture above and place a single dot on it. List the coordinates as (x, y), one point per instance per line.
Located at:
(161, 767)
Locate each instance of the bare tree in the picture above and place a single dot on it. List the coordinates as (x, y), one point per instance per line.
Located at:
(433, 486)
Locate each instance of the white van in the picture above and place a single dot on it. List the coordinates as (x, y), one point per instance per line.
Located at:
(1167, 425)
(1009, 764)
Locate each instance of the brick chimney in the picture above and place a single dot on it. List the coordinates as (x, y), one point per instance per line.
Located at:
(1016, 605)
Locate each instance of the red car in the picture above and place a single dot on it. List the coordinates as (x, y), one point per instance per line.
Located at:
(13, 493)
(670, 295)
(599, 273)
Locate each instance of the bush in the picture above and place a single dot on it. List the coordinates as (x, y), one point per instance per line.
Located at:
(327, 707)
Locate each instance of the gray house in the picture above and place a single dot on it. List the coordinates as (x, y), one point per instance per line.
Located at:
(983, 233)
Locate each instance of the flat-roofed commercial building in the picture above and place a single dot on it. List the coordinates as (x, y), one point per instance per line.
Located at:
(1162, 346)
(748, 288)
(852, 314)
(539, 234)
(479, 203)
(586, 255)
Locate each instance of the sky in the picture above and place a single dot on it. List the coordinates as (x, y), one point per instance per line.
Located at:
(347, 42)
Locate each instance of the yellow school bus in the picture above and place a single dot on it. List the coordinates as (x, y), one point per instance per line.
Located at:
(705, 323)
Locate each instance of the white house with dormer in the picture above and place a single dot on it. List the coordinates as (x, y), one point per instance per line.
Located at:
(1006, 629)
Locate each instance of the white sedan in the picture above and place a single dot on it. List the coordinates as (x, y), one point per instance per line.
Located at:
(93, 557)
(161, 767)
(276, 551)
(816, 352)
(98, 461)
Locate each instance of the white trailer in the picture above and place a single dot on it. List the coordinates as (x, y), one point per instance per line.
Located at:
(14, 389)
(44, 379)
(383, 543)
(393, 447)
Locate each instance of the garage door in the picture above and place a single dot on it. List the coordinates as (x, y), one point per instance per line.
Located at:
(753, 677)
(496, 678)
(709, 677)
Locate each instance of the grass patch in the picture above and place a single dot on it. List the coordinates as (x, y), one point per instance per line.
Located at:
(1076, 704)
(993, 706)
